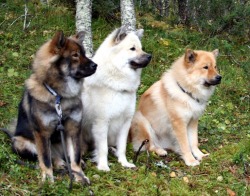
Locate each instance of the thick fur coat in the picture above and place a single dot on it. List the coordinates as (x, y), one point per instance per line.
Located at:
(110, 94)
(169, 110)
(60, 64)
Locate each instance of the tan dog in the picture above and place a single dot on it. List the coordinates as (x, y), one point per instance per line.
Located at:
(169, 110)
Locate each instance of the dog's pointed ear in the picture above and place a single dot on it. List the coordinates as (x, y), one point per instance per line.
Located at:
(58, 41)
(80, 36)
(121, 33)
(139, 33)
(216, 53)
(190, 56)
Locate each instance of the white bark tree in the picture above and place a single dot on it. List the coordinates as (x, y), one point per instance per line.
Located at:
(44, 2)
(84, 19)
(128, 14)
(83, 23)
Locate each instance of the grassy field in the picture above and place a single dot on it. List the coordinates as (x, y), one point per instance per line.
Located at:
(224, 128)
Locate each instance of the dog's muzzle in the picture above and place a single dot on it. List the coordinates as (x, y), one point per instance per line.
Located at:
(214, 81)
(141, 62)
(85, 70)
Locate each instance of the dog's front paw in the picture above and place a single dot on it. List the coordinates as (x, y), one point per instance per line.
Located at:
(80, 177)
(47, 175)
(161, 152)
(199, 155)
(103, 167)
(192, 162)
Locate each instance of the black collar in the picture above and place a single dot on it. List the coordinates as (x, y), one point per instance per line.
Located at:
(190, 94)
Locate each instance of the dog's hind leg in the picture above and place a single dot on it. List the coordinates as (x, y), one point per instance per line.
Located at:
(57, 156)
(44, 155)
(141, 129)
(24, 147)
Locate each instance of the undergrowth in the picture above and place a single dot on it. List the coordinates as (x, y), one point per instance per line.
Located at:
(224, 128)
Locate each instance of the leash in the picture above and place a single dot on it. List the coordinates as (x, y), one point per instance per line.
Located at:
(148, 155)
(60, 128)
(138, 151)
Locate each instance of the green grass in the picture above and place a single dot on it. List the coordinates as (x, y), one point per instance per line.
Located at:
(224, 128)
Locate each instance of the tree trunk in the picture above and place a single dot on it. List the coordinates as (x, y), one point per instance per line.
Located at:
(184, 11)
(83, 23)
(128, 14)
(44, 2)
(164, 8)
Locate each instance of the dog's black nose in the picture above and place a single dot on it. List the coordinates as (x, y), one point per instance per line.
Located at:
(218, 77)
(149, 57)
(93, 65)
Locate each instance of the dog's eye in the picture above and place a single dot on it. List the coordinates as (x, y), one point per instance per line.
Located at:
(75, 54)
(206, 67)
(133, 48)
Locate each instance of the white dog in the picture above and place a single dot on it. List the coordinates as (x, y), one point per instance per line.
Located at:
(109, 96)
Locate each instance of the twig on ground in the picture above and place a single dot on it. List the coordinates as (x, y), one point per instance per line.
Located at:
(25, 25)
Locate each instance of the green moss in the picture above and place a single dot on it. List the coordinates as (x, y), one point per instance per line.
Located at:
(224, 128)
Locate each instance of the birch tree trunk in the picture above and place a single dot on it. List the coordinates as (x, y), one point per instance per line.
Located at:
(128, 14)
(44, 2)
(83, 23)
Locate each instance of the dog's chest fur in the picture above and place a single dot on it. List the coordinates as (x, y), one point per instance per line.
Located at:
(114, 107)
(71, 108)
(107, 103)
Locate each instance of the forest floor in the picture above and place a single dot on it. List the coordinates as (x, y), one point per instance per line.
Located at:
(224, 129)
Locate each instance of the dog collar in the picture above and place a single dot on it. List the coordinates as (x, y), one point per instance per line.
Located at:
(190, 94)
(57, 102)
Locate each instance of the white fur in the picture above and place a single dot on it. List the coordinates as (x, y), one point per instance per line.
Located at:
(48, 118)
(109, 97)
(72, 87)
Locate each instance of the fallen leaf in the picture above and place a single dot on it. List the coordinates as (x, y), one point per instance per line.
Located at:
(232, 169)
(172, 174)
(230, 192)
(204, 151)
(2, 103)
(185, 179)
(15, 54)
(154, 174)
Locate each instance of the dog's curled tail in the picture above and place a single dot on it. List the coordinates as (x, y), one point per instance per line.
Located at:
(10, 131)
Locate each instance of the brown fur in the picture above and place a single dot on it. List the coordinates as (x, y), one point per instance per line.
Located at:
(169, 110)
(61, 64)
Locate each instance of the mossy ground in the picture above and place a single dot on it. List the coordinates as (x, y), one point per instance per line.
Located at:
(224, 128)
